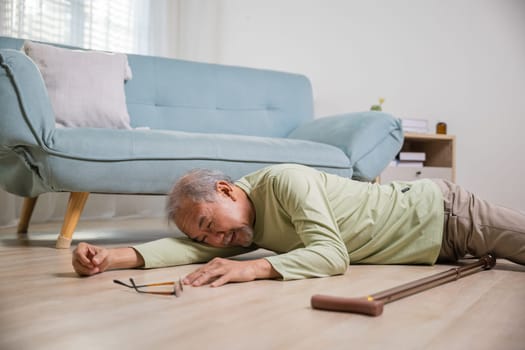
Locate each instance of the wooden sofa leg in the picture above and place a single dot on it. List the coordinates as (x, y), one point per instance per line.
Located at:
(25, 216)
(74, 209)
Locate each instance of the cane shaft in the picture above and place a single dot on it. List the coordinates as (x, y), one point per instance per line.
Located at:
(373, 305)
(423, 284)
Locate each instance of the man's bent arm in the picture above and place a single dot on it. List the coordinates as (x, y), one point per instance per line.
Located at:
(265, 270)
(305, 200)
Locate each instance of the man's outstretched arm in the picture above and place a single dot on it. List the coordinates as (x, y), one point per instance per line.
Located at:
(89, 259)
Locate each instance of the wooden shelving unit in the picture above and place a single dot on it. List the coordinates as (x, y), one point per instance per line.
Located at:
(440, 160)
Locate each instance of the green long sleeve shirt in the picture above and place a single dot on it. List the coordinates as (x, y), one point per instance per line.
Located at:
(319, 223)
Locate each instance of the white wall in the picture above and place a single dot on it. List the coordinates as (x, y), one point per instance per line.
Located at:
(458, 61)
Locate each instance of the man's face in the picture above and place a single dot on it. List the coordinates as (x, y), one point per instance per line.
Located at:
(224, 223)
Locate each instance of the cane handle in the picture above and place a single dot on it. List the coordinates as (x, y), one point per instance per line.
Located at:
(366, 305)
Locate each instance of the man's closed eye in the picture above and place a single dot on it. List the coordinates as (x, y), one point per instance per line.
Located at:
(200, 239)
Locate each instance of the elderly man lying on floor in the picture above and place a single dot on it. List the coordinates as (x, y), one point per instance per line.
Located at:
(317, 223)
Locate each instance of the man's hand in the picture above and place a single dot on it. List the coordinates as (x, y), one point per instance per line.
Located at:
(89, 259)
(220, 271)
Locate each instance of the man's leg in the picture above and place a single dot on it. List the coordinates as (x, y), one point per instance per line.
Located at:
(474, 226)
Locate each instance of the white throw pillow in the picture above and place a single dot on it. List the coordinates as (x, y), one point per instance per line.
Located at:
(86, 88)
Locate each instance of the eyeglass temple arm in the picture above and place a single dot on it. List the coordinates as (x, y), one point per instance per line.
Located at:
(122, 283)
(177, 290)
(143, 285)
(133, 285)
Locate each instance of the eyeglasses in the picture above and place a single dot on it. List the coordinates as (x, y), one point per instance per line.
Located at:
(177, 287)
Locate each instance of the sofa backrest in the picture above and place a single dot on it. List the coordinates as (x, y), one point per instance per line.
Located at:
(209, 98)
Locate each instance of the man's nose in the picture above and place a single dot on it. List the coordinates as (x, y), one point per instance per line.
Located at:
(214, 232)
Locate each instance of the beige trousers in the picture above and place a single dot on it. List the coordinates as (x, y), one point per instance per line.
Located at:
(474, 226)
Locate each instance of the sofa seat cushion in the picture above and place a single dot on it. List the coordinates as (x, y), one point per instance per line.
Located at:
(142, 161)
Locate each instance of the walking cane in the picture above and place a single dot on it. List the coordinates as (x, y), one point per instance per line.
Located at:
(373, 304)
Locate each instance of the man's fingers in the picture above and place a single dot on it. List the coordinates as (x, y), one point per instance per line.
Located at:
(82, 260)
(88, 259)
(221, 281)
(217, 272)
(189, 279)
(100, 257)
(84, 270)
(193, 276)
(102, 262)
(203, 276)
(80, 255)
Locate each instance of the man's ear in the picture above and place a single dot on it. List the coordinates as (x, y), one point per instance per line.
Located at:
(226, 188)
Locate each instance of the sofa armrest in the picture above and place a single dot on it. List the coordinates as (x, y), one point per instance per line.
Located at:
(369, 139)
(26, 115)
(27, 123)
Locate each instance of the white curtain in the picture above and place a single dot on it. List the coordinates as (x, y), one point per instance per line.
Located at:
(183, 28)
(103, 25)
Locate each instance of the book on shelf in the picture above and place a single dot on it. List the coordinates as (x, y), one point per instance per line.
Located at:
(414, 125)
(410, 164)
(412, 156)
(415, 130)
(406, 164)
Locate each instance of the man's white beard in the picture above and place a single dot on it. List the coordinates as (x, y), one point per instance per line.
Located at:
(246, 235)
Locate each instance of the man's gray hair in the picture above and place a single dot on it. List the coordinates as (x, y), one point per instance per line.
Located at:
(198, 185)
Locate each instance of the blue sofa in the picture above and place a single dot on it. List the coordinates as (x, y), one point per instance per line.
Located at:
(201, 115)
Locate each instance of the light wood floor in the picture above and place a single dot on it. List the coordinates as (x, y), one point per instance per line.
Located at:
(44, 305)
